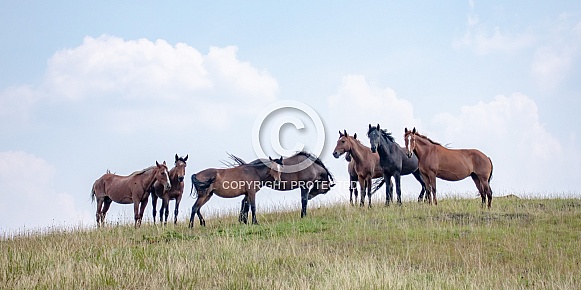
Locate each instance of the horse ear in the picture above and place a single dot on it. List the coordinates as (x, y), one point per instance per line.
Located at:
(405, 130)
(280, 160)
(340, 134)
(345, 131)
(270, 158)
(414, 131)
(156, 163)
(369, 126)
(177, 157)
(164, 163)
(377, 126)
(186, 159)
(355, 136)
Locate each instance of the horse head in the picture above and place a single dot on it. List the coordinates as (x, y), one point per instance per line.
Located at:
(275, 168)
(162, 175)
(374, 133)
(410, 141)
(343, 144)
(180, 167)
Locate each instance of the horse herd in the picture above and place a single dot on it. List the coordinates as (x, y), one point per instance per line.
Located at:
(425, 159)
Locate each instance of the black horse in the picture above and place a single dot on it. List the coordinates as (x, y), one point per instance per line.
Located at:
(302, 170)
(394, 161)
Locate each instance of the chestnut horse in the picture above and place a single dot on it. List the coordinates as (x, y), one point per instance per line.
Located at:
(176, 178)
(128, 189)
(244, 179)
(393, 161)
(436, 160)
(365, 163)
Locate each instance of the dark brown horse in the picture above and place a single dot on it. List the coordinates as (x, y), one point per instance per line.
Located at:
(364, 163)
(128, 189)
(176, 178)
(305, 171)
(436, 160)
(245, 179)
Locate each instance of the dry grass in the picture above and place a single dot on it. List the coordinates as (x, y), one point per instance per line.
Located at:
(520, 243)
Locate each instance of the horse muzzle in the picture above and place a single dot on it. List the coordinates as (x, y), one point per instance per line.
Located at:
(167, 186)
(336, 154)
(373, 149)
(181, 178)
(409, 154)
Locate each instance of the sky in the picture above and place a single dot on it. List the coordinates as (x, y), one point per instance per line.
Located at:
(87, 87)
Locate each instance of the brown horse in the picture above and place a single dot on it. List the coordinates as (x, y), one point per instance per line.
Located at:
(365, 164)
(244, 179)
(157, 190)
(302, 170)
(128, 189)
(436, 160)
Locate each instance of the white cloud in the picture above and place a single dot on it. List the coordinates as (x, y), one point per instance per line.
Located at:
(554, 60)
(482, 40)
(28, 196)
(356, 98)
(137, 74)
(508, 129)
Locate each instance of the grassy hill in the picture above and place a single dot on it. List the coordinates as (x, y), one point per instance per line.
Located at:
(519, 243)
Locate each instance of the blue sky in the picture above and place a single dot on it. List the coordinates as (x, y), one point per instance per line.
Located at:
(86, 87)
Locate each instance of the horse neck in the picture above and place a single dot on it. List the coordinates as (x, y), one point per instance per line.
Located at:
(423, 146)
(358, 151)
(386, 146)
(148, 178)
(173, 175)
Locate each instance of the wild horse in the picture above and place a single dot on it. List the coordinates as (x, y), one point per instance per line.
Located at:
(393, 161)
(128, 189)
(436, 160)
(365, 164)
(305, 171)
(157, 190)
(245, 179)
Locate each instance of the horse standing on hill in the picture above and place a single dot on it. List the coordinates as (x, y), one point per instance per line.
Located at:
(364, 165)
(436, 160)
(157, 190)
(245, 179)
(128, 189)
(393, 161)
(302, 170)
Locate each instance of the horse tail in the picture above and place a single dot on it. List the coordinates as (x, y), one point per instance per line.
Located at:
(491, 168)
(377, 183)
(199, 185)
(93, 194)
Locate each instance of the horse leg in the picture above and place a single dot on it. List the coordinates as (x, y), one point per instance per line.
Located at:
(252, 201)
(106, 204)
(433, 185)
(178, 200)
(419, 178)
(363, 191)
(388, 189)
(244, 207)
(352, 186)
(368, 188)
(478, 184)
(200, 201)
(165, 209)
(142, 205)
(99, 210)
(154, 205)
(304, 201)
(397, 178)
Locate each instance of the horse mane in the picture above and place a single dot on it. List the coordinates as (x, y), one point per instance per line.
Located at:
(139, 172)
(431, 141)
(384, 133)
(237, 161)
(317, 161)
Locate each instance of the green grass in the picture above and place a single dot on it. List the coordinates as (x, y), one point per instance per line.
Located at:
(519, 243)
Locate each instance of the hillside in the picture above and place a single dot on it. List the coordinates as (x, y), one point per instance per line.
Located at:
(519, 243)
